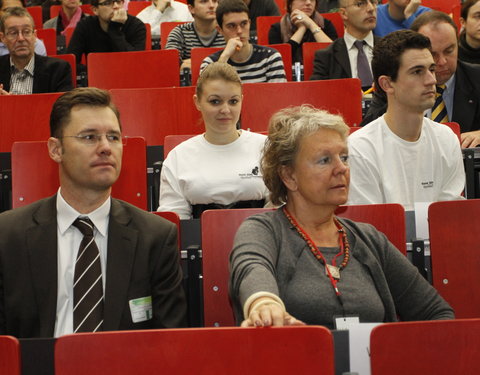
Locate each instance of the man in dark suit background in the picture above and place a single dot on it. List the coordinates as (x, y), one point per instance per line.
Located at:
(340, 59)
(22, 71)
(462, 80)
(138, 277)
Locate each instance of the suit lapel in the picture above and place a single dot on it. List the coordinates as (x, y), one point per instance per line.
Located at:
(5, 72)
(41, 241)
(464, 101)
(122, 244)
(341, 56)
(40, 78)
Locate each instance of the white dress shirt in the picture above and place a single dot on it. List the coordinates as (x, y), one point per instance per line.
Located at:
(353, 51)
(176, 12)
(69, 239)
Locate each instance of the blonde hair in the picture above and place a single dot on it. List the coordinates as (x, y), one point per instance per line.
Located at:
(217, 70)
(286, 130)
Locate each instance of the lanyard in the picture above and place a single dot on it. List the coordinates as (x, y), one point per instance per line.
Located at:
(331, 271)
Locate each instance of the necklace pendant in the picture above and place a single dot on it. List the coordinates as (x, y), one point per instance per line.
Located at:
(334, 271)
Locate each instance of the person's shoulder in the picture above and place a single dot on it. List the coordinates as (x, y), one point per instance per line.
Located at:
(469, 70)
(422, 9)
(187, 26)
(51, 23)
(254, 136)
(264, 50)
(51, 61)
(133, 20)
(367, 131)
(140, 219)
(11, 217)
(434, 129)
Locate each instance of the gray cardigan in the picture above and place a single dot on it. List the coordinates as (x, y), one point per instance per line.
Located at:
(267, 251)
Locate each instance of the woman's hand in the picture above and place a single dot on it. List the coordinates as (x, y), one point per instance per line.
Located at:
(301, 19)
(266, 312)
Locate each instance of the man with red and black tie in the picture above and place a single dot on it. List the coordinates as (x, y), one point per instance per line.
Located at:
(81, 261)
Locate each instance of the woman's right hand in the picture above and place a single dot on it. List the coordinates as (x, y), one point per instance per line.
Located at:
(267, 314)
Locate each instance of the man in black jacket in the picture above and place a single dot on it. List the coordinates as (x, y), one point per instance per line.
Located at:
(22, 71)
(462, 80)
(110, 30)
(340, 59)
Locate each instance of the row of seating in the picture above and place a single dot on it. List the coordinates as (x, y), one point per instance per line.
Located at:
(456, 280)
(154, 113)
(441, 347)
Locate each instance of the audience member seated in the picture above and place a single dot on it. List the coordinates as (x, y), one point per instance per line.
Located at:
(257, 8)
(39, 45)
(164, 11)
(202, 32)
(458, 83)
(302, 23)
(397, 15)
(404, 157)
(110, 30)
(127, 274)
(253, 63)
(22, 71)
(327, 6)
(220, 168)
(350, 56)
(68, 17)
(469, 45)
(301, 264)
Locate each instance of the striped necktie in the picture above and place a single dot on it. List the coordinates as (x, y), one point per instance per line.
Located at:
(439, 111)
(87, 282)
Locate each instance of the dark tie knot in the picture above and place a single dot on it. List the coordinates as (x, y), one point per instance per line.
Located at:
(84, 225)
(440, 89)
(359, 44)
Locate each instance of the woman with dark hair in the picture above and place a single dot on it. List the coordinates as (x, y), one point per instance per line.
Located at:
(302, 23)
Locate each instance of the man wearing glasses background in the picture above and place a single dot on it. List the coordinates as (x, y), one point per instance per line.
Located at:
(350, 56)
(110, 30)
(39, 45)
(81, 261)
(397, 15)
(22, 71)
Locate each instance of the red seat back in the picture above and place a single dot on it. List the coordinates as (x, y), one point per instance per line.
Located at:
(165, 28)
(135, 7)
(308, 51)
(49, 38)
(25, 118)
(9, 355)
(114, 70)
(199, 351)
(156, 113)
(262, 100)
(455, 254)
(263, 27)
(35, 174)
(436, 347)
(337, 21)
(197, 55)
(36, 13)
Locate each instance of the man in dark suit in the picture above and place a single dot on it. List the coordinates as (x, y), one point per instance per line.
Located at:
(132, 279)
(462, 80)
(340, 59)
(22, 71)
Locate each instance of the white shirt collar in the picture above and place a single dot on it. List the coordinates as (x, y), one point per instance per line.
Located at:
(66, 215)
(349, 40)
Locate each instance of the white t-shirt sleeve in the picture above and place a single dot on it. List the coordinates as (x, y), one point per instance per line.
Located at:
(172, 197)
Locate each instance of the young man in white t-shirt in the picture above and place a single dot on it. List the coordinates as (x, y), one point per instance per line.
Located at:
(404, 157)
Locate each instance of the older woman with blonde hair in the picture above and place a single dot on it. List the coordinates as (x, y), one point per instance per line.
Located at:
(300, 263)
(219, 168)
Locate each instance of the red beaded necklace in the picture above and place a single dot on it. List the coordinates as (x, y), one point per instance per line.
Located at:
(331, 270)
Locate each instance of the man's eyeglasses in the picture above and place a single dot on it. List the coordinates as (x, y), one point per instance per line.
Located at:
(109, 3)
(93, 139)
(14, 34)
(362, 4)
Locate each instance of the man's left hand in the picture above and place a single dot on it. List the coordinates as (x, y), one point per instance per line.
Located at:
(470, 139)
(119, 15)
(411, 8)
